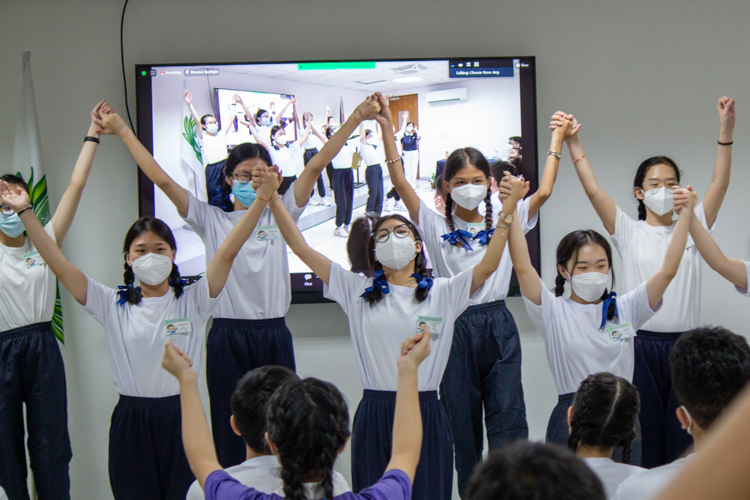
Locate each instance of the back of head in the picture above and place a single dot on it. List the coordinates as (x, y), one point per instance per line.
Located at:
(710, 366)
(533, 471)
(308, 421)
(497, 169)
(249, 401)
(604, 411)
(356, 244)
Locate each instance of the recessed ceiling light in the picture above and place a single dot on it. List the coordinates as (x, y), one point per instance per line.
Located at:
(408, 79)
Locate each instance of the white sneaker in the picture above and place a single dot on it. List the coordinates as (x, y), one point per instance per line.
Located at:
(315, 203)
(400, 208)
(326, 202)
(340, 232)
(346, 228)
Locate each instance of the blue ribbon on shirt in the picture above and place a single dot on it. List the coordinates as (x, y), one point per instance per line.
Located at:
(611, 299)
(378, 280)
(483, 235)
(422, 281)
(123, 293)
(459, 235)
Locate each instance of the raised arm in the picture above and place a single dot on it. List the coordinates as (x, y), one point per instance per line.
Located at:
(305, 135)
(491, 259)
(72, 278)
(189, 100)
(528, 277)
(717, 189)
(733, 270)
(303, 187)
(111, 123)
(278, 116)
(603, 204)
(657, 284)
(407, 418)
(395, 168)
(66, 210)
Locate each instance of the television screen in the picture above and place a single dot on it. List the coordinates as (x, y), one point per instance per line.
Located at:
(485, 103)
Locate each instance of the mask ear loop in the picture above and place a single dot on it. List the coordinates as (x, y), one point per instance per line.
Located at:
(690, 420)
(567, 287)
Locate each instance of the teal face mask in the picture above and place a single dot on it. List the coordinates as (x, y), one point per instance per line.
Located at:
(11, 225)
(244, 193)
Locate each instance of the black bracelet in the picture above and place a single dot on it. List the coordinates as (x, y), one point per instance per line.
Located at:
(89, 138)
(27, 208)
(725, 143)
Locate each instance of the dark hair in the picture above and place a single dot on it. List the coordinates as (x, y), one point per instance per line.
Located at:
(308, 421)
(605, 408)
(161, 229)
(275, 129)
(329, 132)
(440, 187)
(457, 160)
(204, 117)
(499, 167)
(533, 471)
(249, 403)
(356, 244)
(368, 132)
(410, 123)
(240, 153)
(640, 177)
(516, 138)
(258, 114)
(710, 366)
(15, 180)
(568, 248)
(420, 262)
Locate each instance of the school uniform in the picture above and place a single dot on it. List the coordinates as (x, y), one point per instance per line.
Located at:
(577, 346)
(290, 161)
(741, 291)
(376, 333)
(650, 483)
(410, 156)
(311, 146)
(214, 153)
(146, 457)
(264, 474)
(248, 329)
(642, 248)
(611, 473)
(394, 485)
(31, 373)
(483, 376)
(343, 185)
(372, 157)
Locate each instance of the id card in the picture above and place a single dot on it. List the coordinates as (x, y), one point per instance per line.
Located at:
(33, 259)
(475, 227)
(268, 233)
(178, 326)
(621, 332)
(435, 325)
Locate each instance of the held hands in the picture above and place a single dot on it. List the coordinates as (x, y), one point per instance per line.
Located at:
(269, 180)
(176, 362)
(726, 113)
(94, 129)
(14, 196)
(107, 121)
(684, 197)
(370, 107)
(384, 117)
(565, 124)
(237, 99)
(511, 190)
(414, 350)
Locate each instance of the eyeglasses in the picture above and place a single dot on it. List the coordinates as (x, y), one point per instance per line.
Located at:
(242, 177)
(382, 235)
(658, 184)
(6, 210)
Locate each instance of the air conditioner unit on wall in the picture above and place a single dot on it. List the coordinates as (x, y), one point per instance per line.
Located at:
(459, 94)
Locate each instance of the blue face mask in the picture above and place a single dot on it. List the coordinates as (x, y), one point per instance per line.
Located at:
(12, 225)
(244, 193)
(265, 121)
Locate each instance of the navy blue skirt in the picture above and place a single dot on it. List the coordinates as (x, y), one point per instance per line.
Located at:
(372, 434)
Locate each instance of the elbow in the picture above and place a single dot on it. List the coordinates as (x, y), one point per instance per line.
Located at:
(543, 194)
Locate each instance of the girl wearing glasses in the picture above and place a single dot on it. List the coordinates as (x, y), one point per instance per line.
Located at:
(248, 329)
(642, 245)
(390, 306)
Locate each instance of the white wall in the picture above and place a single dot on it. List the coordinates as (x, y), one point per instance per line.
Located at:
(643, 78)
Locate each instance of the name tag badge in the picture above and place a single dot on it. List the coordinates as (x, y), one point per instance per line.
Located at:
(178, 326)
(435, 325)
(621, 332)
(33, 259)
(475, 227)
(268, 233)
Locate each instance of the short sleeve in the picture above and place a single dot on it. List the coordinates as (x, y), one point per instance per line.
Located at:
(541, 314)
(633, 307)
(345, 286)
(746, 293)
(221, 486)
(200, 299)
(199, 215)
(625, 228)
(99, 300)
(50, 231)
(195, 492)
(523, 215)
(290, 203)
(459, 289)
(394, 485)
(294, 147)
(431, 224)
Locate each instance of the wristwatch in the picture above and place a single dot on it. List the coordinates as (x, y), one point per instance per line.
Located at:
(506, 220)
(556, 154)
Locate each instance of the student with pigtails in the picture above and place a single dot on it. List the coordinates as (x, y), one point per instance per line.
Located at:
(483, 376)
(146, 458)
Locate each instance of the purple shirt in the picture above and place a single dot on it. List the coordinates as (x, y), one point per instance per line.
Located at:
(394, 485)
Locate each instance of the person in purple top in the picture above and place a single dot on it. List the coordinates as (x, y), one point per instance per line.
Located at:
(307, 427)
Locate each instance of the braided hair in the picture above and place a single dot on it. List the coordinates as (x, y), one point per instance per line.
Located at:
(457, 161)
(160, 229)
(640, 177)
(568, 249)
(605, 408)
(420, 262)
(308, 421)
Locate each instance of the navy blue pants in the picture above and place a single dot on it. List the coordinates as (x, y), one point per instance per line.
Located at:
(558, 433)
(374, 178)
(32, 373)
(146, 457)
(285, 183)
(309, 153)
(343, 195)
(663, 437)
(372, 433)
(216, 195)
(234, 347)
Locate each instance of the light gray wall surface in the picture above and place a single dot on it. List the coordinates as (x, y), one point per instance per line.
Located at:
(643, 77)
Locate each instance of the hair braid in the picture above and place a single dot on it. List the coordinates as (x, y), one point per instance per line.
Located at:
(294, 487)
(175, 281)
(449, 212)
(488, 214)
(134, 295)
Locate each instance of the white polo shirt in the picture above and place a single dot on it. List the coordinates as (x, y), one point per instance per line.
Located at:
(371, 155)
(611, 473)
(213, 147)
(343, 159)
(650, 483)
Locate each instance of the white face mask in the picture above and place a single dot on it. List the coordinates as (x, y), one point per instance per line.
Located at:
(590, 286)
(152, 268)
(212, 128)
(690, 420)
(396, 253)
(281, 140)
(660, 200)
(469, 196)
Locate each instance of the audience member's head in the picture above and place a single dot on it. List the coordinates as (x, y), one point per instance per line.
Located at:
(710, 366)
(498, 169)
(440, 194)
(533, 471)
(249, 401)
(603, 414)
(356, 244)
